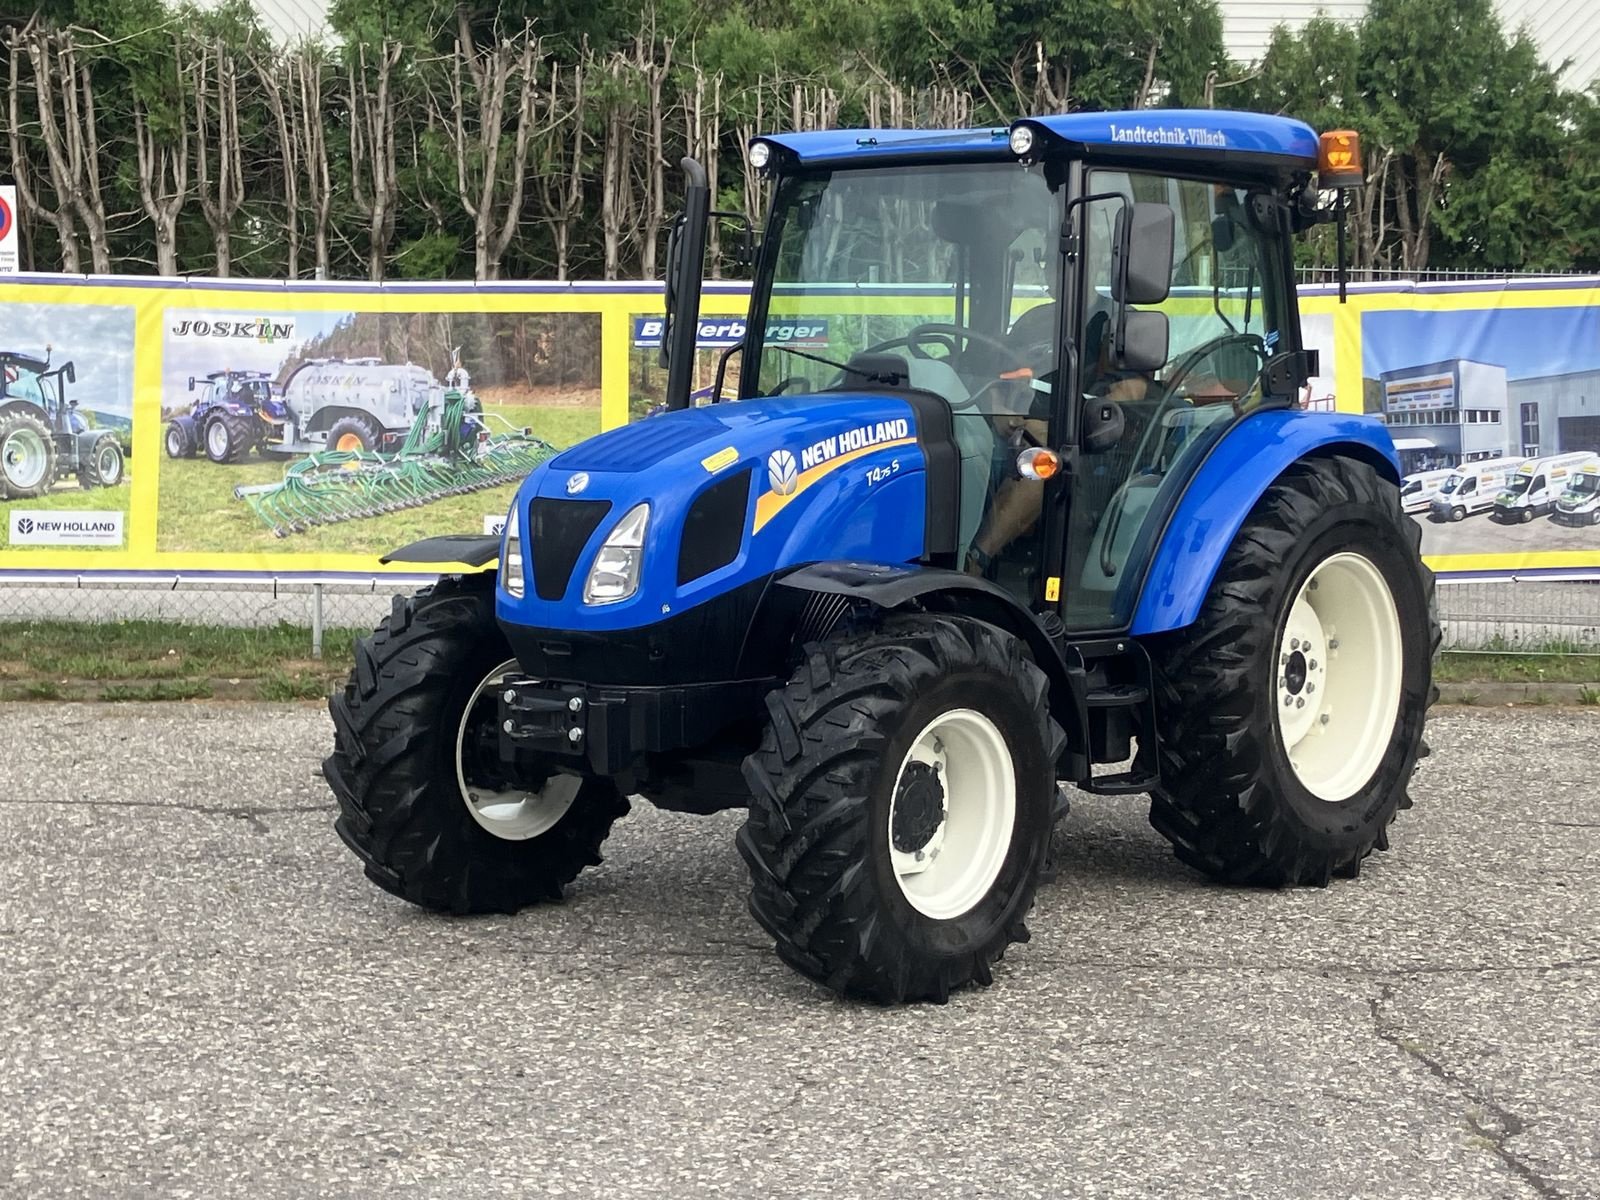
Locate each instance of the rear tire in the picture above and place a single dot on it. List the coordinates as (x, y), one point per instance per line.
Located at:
(102, 466)
(27, 456)
(227, 438)
(354, 432)
(1257, 787)
(883, 865)
(423, 799)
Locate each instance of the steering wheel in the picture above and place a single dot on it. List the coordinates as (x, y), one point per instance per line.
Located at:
(1186, 365)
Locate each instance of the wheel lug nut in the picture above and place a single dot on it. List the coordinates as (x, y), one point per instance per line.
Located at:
(1283, 681)
(1288, 700)
(918, 856)
(1311, 687)
(1312, 664)
(1300, 703)
(1294, 643)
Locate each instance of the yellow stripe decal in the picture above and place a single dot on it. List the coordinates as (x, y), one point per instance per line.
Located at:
(770, 504)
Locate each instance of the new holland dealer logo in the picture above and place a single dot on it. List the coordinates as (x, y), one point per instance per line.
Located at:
(44, 528)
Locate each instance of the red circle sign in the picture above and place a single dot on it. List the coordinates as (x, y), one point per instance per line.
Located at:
(5, 218)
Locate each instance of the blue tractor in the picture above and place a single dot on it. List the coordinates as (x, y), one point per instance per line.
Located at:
(44, 437)
(1042, 511)
(236, 412)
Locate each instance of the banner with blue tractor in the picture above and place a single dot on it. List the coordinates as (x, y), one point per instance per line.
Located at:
(269, 429)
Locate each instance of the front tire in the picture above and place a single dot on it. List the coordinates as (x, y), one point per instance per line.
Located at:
(180, 443)
(902, 802)
(1292, 710)
(425, 801)
(102, 466)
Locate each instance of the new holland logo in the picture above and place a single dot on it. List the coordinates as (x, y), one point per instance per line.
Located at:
(782, 472)
(576, 483)
(24, 525)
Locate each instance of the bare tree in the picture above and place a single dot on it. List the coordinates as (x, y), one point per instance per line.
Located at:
(491, 199)
(71, 139)
(558, 173)
(59, 217)
(216, 93)
(655, 213)
(618, 204)
(163, 183)
(306, 71)
(277, 84)
(374, 178)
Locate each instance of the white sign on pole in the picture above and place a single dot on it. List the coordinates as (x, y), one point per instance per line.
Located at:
(8, 229)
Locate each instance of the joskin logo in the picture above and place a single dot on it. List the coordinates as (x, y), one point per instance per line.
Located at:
(260, 330)
(782, 474)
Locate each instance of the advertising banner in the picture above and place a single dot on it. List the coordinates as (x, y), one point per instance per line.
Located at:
(261, 429)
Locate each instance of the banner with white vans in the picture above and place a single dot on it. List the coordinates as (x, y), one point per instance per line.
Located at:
(175, 427)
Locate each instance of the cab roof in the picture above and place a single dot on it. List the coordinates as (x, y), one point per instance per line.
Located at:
(1173, 133)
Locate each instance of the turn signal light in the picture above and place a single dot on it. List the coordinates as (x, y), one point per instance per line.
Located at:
(1038, 463)
(1339, 159)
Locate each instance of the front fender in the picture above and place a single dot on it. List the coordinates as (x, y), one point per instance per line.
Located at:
(1220, 496)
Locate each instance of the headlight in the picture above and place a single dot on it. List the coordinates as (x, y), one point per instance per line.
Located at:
(760, 155)
(511, 555)
(615, 574)
(1021, 140)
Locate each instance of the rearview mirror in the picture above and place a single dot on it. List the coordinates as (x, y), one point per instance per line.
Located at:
(71, 373)
(1144, 341)
(1141, 271)
(1102, 425)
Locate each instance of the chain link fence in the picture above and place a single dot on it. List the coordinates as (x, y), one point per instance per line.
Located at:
(1535, 615)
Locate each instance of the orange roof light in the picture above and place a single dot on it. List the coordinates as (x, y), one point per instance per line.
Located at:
(1339, 159)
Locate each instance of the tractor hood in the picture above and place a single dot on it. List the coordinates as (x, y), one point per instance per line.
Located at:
(734, 491)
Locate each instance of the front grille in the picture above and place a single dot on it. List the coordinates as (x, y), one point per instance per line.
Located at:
(558, 530)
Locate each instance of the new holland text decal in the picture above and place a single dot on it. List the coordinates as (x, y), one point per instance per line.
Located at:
(787, 478)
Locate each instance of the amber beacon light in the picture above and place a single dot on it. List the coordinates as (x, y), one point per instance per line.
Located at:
(1339, 159)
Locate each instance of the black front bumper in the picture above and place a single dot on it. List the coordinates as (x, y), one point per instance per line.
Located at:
(607, 729)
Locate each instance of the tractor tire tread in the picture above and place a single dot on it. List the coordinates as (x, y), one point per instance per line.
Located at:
(411, 841)
(1217, 806)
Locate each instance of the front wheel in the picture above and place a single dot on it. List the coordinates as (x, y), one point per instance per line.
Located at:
(1292, 710)
(902, 802)
(426, 801)
(102, 466)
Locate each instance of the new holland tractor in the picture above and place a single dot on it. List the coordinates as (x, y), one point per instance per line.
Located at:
(1041, 512)
(43, 436)
(236, 412)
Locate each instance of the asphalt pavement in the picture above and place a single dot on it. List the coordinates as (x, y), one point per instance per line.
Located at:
(200, 995)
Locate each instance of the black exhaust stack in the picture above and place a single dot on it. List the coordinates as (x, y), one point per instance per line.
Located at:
(686, 257)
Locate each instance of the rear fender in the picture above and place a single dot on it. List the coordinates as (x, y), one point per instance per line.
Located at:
(1244, 464)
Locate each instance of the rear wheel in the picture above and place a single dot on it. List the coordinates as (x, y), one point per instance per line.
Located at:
(355, 432)
(1292, 710)
(102, 466)
(180, 443)
(27, 456)
(903, 798)
(426, 801)
(228, 437)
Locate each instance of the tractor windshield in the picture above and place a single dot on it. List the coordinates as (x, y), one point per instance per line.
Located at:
(948, 268)
(17, 382)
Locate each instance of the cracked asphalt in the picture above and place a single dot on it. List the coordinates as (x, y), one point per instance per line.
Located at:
(201, 996)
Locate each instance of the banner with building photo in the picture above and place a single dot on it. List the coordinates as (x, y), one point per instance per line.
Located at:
(303, 430)
(1492, 396)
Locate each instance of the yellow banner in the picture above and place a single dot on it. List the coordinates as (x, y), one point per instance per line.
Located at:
(255, 429)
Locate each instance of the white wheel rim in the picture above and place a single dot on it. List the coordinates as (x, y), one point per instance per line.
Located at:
(109, 464)
(513, 814)
(217, 438)
(952, 813)
(1337, 677)
(174, 443)
(25, 458)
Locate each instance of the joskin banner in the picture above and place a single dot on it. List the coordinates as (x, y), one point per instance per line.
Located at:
(303, 430)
